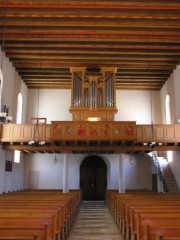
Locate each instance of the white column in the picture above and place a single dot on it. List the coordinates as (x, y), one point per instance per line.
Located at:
(121, 175)
(65, 174)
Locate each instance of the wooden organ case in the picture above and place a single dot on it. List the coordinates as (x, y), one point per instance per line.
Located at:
(93, 94)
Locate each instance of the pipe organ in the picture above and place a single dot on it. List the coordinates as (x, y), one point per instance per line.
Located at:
(93, 93)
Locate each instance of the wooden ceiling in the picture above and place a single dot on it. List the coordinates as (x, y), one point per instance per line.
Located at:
(44, 38)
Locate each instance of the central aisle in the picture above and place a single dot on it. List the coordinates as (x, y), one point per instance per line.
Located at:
(94, 222)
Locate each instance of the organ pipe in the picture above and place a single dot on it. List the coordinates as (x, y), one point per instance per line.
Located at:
(92, 90)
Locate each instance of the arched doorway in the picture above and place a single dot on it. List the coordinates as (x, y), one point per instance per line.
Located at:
(93, 178)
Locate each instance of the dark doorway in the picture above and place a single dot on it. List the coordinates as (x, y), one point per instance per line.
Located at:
(93, 178)
(154, 183)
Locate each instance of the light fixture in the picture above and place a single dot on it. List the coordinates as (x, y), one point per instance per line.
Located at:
(55, 159)
(131, 161)
(93, 119)
(34, 142)
(152, 131)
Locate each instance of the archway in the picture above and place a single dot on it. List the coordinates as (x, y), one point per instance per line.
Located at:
(93, 178)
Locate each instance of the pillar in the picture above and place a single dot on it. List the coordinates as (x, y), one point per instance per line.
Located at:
(121, 175)
(65, 174)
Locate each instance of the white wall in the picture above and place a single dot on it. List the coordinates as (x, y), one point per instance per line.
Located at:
(2, 170)
(168, 89)
(8, 73)
(137, 106)
(12, 85)
(42, 172)
(53, 104)
(138, 175)
(175, 164)
(172, 87)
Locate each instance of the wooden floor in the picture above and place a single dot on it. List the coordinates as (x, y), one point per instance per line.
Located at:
(94, 222)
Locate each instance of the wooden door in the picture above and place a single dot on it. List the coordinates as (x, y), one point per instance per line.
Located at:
(154, 183)
(93, 178)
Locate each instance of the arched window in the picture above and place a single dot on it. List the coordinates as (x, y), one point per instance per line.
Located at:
(1, 87)
(17, 154)
(168, 121)
(168, 109)
(19, 109)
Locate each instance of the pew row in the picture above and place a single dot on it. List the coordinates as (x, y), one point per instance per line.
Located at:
(53, 211)
(136, 213)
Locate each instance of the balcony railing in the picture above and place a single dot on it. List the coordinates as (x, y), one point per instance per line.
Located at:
(117, 135)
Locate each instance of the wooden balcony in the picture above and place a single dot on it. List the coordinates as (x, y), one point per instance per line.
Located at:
(84, 137)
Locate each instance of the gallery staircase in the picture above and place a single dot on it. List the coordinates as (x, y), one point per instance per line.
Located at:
(168, 175)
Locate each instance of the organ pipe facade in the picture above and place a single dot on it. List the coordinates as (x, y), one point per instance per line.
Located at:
(93, 91)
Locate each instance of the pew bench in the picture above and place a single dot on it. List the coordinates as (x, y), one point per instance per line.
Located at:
(152, 232)
(17, 219)
(126, 207)
(163, 219)
(60, 220)
(159, 237)
(10, 233)
(29, 222)
(35, 237)
(62, 206)
(131, 222)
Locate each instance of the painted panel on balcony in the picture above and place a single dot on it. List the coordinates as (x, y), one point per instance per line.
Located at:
(90, 130)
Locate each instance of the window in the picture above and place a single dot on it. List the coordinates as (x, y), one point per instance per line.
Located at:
(168, 109)
(19, 109)
(17, 154)
(168, 121)
(1, 87)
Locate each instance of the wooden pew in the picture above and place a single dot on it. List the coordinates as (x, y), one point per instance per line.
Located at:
(152, 231)
(35, 237)
(10, 233)
(61, 224)
(136, 210)
(35, 203)
(164, 219)
(19, 219)
(124, 209)
(159, 237)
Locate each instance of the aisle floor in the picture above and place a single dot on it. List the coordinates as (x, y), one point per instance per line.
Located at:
(94, 222)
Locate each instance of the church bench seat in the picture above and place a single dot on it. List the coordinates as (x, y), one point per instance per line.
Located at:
(35, 237)
(29, 223)
(127, 218)
(25, 220)
(159, 237)
(126, 207)
(165, 220)
(38, 210)
(62, 206)
(10, 233)
(152, 231)
(130, 218)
